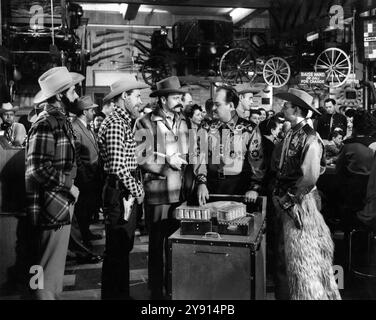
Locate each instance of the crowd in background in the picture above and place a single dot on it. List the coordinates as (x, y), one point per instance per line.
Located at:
(348, 136)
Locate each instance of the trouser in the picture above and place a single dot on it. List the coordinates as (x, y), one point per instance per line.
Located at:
(119, 243)
(51, 246)
(76, 245)
(85, 208)
(161, 224)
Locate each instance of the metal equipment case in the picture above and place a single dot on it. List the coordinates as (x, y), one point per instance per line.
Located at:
(219, 267)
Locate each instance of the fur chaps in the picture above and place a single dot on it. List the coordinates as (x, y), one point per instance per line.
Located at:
(308, 254)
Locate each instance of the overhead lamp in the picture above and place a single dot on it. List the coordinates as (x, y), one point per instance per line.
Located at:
(238, 14)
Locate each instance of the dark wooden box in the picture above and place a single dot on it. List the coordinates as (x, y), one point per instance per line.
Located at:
(195, 227)
(218, 267)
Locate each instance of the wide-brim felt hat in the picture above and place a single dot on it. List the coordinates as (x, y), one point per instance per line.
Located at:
(246, 88)
(124, 84)
(299, 98)
(168, 85)
(6, 107)
(85, 103)
(54, 81)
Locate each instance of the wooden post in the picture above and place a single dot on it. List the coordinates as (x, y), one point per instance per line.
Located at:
(365, 89)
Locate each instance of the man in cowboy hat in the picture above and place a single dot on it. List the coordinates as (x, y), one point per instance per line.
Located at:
(166, 144)
(50, 170)
(122, 187)
(14, 132)
(246, 93)
(307, 249)
(88, 178)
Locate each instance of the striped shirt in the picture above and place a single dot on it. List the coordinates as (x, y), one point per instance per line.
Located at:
(117, 149)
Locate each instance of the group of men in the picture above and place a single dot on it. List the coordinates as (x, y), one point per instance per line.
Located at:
(229, 158)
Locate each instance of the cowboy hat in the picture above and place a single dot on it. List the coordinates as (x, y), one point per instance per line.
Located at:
(54, 81)
(167, 86)
(126, 83)
(5, 107)
(85, 103)
(246, 88)
(299, 98)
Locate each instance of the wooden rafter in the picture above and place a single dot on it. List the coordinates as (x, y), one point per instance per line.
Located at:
(252, 15)
(251, 4)
(132, 11)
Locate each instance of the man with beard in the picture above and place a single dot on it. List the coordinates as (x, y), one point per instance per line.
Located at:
(50, 170)
(163, 161)
(236, 143)
(122, 187)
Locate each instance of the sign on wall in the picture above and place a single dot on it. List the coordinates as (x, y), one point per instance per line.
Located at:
(312, 77)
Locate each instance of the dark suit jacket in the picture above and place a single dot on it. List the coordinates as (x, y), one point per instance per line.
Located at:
(323, 125)
(87, 155)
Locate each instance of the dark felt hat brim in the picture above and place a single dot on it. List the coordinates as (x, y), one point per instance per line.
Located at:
(162, 92)
(295, 100)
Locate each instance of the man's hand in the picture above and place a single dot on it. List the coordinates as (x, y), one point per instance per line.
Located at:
(74, 192)
(140, 199)
(251, 196)
(175, 161)
(202, 194)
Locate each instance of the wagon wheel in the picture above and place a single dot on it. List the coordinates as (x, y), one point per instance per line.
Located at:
(237, 66)
(154, 70)
(276, 72)
(336, 65)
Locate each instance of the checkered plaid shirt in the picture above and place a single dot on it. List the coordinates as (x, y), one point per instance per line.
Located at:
(50, 168)
(117, 149)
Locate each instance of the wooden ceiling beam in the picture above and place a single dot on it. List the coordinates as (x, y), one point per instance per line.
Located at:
(250, 4)
(132, 11)
(252, 15)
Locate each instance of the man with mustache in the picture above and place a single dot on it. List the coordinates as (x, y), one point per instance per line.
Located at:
(50, 171)
(235, 163)
(164, 162)
(117, 149)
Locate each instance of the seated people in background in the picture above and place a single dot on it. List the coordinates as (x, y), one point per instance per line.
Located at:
(108, 108)
(97, 121)
(254, 116)
(208, 111)
(330, 121)
(14, 132)
(263, 115)
(194, 117)
(354, 165)
(270, 114)
(187, 101)
(367, 216)
(334, 146)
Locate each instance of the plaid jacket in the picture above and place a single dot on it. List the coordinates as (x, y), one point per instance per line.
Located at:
(117, 149)
(50, 169)
(156, 139)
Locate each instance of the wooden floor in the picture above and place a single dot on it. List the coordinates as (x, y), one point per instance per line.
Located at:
(83, 281)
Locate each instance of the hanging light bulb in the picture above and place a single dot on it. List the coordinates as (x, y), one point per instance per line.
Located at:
(16, 73)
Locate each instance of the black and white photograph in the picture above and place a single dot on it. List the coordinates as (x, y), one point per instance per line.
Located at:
(203, 152)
